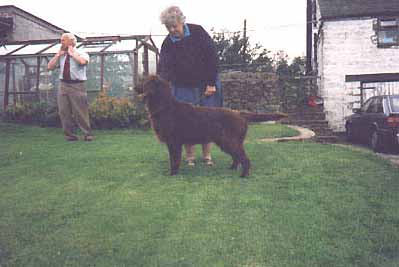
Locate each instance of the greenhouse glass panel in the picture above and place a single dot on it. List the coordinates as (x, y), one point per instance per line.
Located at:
(124, 45)
(5, 49)
(31, 49)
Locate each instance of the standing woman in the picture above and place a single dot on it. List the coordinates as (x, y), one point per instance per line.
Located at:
(188, 60)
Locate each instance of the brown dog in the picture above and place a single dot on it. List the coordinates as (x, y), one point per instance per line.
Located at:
(176, 123)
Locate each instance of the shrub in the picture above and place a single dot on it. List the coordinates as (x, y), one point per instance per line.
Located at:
(32, 113)
(108, 112)
(105, 113)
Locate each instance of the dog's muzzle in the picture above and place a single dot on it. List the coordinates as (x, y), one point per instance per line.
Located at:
(142, 96)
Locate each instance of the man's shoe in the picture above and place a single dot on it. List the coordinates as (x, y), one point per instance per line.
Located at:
(89, 138)
(71, 138)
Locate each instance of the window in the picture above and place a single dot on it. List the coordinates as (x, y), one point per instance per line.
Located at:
(372, 108)
(366, 105)
(395, 104)
(379, 108)
(388, 32)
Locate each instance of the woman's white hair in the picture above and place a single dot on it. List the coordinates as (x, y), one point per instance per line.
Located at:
(70, 36)
(172, 15)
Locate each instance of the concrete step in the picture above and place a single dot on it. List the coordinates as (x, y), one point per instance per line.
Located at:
(325, 138)
(305, 109)
(322, 131)
(307, 116)
(306, 122)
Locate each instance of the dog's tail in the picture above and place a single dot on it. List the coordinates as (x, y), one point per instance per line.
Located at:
(259, 117)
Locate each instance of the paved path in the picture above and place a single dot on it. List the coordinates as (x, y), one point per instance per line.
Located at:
(393, 158)
(305, 134)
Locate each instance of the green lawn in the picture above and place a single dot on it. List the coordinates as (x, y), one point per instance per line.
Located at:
(111, 203)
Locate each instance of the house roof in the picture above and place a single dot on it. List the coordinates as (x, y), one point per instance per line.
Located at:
(30, 15)
(333, 9)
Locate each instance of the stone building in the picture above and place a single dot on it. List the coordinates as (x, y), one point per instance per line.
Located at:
(354, 52)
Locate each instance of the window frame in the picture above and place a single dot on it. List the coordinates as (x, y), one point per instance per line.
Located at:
(387, 28)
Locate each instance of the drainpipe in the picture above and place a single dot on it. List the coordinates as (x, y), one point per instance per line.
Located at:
(309, 37)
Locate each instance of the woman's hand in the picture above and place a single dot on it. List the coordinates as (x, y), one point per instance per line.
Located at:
(210, 90)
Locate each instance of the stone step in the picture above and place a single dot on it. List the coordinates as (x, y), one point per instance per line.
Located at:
(305, 109)
(307, 116)
(306, 122)
(325, 138)
(320, 130)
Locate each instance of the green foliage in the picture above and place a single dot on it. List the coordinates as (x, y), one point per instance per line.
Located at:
(32, 113)
(236, 53)
(107, 112)
(292, 87)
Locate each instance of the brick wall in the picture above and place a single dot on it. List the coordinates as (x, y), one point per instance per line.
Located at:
(346, 48)
(250, 91)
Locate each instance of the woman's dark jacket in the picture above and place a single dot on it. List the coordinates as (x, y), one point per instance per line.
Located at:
(191, 61)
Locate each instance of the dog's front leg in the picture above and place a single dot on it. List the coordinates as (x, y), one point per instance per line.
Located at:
(174, 157)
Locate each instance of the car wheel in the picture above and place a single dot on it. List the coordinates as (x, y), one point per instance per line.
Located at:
(349, 133)
(376, 142)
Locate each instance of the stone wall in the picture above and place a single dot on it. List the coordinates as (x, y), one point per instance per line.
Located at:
(346, 48)
(250, 91)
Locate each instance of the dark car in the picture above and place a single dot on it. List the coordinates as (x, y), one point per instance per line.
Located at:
(376, 123)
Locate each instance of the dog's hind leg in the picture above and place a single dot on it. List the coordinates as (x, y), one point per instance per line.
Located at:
(243, 159)
(246, 164)
(174, 157)
(237, 152)
(235, 163)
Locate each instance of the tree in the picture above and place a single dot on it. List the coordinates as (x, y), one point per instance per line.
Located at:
(236, 53)
(289, 79)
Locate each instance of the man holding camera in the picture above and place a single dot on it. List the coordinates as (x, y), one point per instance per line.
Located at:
(72, 100)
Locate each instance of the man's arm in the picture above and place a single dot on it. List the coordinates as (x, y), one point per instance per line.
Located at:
(76, 56)
(53, 62)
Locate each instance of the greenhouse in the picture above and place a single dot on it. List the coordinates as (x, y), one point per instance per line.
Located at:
(116, 64)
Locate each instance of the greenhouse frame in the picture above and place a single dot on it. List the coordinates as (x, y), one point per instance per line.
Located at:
(116, 64)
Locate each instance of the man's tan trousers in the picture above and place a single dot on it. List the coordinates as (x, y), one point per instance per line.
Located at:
(73, 107)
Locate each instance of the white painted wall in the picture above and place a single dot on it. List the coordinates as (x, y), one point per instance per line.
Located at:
(345, 48)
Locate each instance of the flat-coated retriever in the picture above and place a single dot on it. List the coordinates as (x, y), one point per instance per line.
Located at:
(176, 123)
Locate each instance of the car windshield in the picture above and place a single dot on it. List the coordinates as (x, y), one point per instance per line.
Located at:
(395, 104)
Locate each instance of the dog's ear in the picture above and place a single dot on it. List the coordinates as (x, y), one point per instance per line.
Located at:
(139, 88)
(154, 83)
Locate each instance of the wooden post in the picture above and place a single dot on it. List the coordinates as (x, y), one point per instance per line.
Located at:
(102, 57)
(361, 93)
(7, 84)
(38, 78)
(136, 67)
(145, 61)
(156, 62)
(308, 37)
(136, 63)
(16, 97)
(244, 49)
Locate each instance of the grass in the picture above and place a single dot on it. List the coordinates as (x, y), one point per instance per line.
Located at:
(111, 203)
